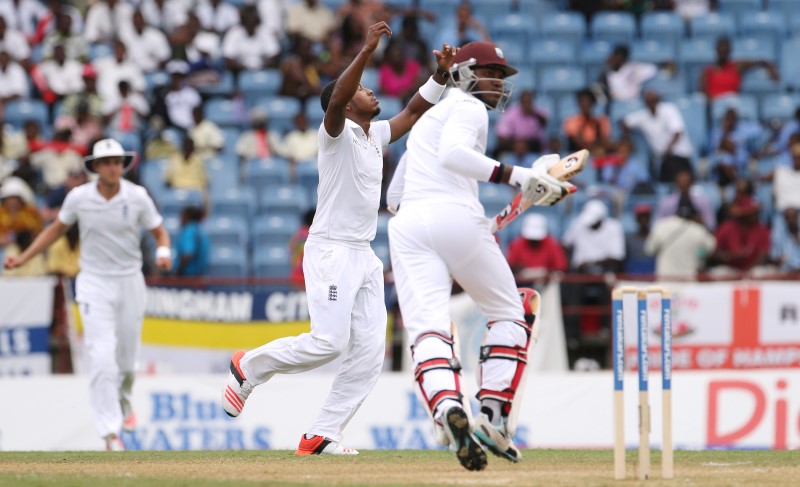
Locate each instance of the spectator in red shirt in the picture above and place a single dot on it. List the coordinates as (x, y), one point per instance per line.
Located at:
(400, 76)
(724, 77)
(743, 242)
(534, 254)
(297, 248)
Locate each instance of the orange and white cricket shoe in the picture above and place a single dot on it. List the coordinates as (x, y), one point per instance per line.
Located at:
(114, 443)
(320, 445)
(129, 423)
(236, 389)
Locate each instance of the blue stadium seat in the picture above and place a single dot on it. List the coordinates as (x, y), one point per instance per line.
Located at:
(514, 53)
(444, 9)
(710, 189)
(569, 27)
(621, 108)
(712, 26)
(130, 140)
(287, 199)
(261, 173)
(771, 26)
(314, 113)
(694, 56)
(794, 23)
(227, 261)
(307, 176)
(738, 7)
(281, 110)
(789, 67)
(593, 55)
(512, 27)
(225, 112)
(370, 79)
(693, 109)
(274, 229)
(390, 106)
(257, 84)
(234, 202)
(555, 81)
(223, 87)
(155, 79)
(534, 9)
(494, 197)
(486, 9)
(151, 174)
(230, 136)
(19, 111)
(525, 79)
(615, 27)
(223, 174)
(172, 224)
(753, 48)
(759, 82)
(552, 53)
(668, 86)
(227, 230)
(663, 27)
(655, 52)
(782, 7)
(272, 261)
(382, 229)
(99, 51)
(172, 202)
(746, 106)
(779, 106)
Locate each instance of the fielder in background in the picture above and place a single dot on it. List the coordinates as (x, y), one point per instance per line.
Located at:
(441, 233)
(110, 289)
(343, 276)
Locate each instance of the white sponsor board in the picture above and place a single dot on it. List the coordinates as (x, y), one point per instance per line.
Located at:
(26, 311)
(716, 409)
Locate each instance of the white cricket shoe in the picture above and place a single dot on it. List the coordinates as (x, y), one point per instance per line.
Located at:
(236, 389)
(114, 443)
(320, 445)
(496, 439)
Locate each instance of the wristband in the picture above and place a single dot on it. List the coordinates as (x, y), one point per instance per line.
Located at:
(519, 176)
(163, 252)
(497, 173)
(431, 91)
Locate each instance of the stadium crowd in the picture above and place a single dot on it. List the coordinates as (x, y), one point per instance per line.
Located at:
(687, 107)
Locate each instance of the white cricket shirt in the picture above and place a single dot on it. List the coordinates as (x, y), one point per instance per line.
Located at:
(110, 230)
(350, 174)
(659, 129)
(458, 118)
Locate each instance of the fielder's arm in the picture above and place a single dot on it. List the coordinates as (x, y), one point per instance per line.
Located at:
(163, 251)
(350, 80)
(427, 95)
(44, 240)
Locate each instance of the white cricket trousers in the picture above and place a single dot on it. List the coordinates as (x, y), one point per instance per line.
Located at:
(345, 292)
(112, 312)
(430, 246)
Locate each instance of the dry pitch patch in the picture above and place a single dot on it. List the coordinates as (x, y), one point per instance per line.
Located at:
(245, 468)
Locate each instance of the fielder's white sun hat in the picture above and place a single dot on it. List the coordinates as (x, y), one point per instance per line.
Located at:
(109, 148)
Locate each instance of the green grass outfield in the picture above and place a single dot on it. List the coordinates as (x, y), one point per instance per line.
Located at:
(407, 467)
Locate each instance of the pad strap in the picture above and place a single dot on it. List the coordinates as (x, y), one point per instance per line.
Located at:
(524, 324)
(437, 363)
(504, 352)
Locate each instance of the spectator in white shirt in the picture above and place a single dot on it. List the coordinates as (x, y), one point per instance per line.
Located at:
(23, 15)
(217, 16)
(273, 14)
(113, 69)
(47, 24)
(179, 99)
(664, 129)
(787, 182)
(623, 79)
(200, 46)
(311, 19)
(13, 82)
(681, 243)
(59, 75)
(64, 33)
(164, 15)
(148, 46)
(107, 19)
(126, 112)
(300, 144)
(250, 46)
(207, 136)
(14, 43)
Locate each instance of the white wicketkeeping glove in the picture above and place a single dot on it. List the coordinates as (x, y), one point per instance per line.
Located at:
(537, 186)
